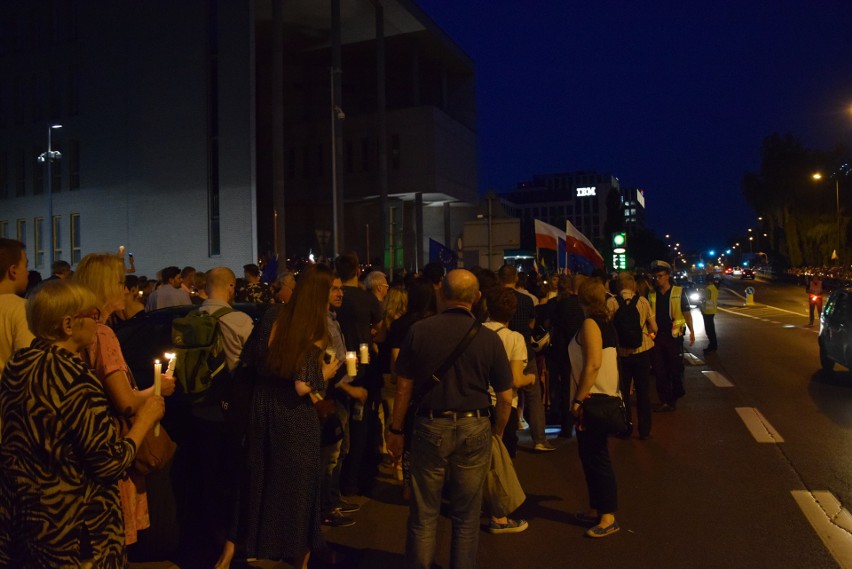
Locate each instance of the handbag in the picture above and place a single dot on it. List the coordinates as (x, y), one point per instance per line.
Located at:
(606, 414)
(154, 453)
(503, 493)
(331, 429)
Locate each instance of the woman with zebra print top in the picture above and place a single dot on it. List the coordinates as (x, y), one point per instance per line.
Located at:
(60, 455)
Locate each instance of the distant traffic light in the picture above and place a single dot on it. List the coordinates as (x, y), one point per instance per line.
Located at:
(619, 242)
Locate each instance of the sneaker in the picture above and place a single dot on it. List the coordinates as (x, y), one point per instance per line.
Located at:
(347, 507)
(336, 519)
(664, 408)
(544, 447)
(511, 526)
(522, 424)
(599, 531)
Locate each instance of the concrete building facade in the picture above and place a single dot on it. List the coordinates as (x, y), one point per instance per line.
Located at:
(200, 132)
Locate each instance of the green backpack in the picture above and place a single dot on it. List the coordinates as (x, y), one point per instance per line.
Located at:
(200, 351)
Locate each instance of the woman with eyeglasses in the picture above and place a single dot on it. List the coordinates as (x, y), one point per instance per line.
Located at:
(61, 456)
(103, 274)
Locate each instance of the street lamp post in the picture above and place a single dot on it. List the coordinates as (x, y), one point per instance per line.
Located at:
(818, 176)
(48, 158)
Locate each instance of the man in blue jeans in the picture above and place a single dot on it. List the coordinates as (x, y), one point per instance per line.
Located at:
(452, 430)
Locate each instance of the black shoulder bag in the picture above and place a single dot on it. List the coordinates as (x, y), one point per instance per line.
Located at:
(436, 378)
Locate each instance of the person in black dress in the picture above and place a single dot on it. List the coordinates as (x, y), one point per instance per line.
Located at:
(280, 502)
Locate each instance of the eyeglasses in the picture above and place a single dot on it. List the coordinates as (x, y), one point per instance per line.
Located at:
(94, 314)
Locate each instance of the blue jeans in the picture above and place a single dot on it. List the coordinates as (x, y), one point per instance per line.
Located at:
(458, 453)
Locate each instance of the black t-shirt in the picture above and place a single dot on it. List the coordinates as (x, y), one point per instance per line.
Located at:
(360, 312)
(520, 321)
(465, 385)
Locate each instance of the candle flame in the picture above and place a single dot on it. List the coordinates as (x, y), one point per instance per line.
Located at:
(169, 355)
(156, 361)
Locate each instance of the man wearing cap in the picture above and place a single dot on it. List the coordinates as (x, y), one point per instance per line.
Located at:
(671, 309)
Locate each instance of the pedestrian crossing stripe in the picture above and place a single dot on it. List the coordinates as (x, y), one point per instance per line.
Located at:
(717, 379)
(831, 522)
(758, 425)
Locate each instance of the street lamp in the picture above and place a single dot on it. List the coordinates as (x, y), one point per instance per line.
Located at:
(818, 176)
(48, 158)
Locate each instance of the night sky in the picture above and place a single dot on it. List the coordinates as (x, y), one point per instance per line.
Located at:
(672, 97)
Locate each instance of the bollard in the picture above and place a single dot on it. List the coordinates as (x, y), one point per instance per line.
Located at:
(749, 292)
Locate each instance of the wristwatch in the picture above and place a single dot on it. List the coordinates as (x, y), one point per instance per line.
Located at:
(396, 431)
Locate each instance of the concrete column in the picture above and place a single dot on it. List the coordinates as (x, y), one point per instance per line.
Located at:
(337, 127)
(381, 122)
(278, 127)
(418, 230)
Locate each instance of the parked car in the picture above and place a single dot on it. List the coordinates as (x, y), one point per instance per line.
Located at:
(835, 330)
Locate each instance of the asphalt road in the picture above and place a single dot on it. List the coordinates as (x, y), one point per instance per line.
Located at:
(702, 492)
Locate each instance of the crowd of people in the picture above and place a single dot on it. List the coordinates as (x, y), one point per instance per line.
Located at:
(425, 376)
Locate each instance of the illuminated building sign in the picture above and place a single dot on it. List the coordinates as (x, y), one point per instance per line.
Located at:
(589, 191)
(640, 197)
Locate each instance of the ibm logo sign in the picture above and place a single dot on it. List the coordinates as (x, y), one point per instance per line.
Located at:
(589, 191)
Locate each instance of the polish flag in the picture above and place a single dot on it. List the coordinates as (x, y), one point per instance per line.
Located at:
(582, 255)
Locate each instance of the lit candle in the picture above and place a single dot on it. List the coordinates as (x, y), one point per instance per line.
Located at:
(351, 364)
(158, 386)
(365, 353)
(171, 368)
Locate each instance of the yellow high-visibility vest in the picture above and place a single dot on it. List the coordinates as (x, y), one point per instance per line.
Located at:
(711, 301)
(675, 313)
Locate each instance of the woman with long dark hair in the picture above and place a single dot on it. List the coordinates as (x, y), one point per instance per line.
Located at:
(280, 505)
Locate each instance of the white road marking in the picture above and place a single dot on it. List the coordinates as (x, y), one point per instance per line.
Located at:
(718, 379)
(692, 359)
(831, 522)
(758, 426)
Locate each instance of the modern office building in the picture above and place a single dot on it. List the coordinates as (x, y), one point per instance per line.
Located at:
(210, 132)
(587, 199)
(633, 203)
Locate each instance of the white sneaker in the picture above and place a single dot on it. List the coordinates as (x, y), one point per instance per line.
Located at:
(544, 447)
(522, 424)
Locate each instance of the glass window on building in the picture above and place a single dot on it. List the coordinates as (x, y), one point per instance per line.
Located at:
(57, 237)
(74, 165)
(395, 152)
(20, 172)
(291, 163)
(4, 229)
(38, 227)
(38, 172)
(4, 175)
(22, 231)
(365, 154)
(76, 251)
(349, 156)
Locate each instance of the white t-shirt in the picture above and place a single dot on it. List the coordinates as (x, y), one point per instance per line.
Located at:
(516, 350)
(14, 331)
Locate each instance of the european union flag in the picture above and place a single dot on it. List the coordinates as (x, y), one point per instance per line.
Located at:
(444, 255)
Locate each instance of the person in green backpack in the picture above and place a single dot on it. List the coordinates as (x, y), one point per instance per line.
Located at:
(208, 343)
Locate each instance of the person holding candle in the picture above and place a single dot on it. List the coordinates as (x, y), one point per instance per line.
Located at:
(280, 503)
(103, 274)
(65, 502)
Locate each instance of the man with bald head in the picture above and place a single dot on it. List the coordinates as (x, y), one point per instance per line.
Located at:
(236, 326)
(451, 441)
(208, 471)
